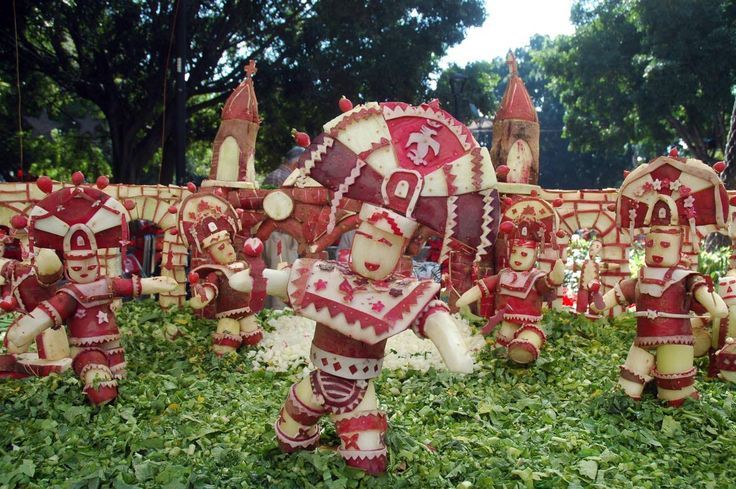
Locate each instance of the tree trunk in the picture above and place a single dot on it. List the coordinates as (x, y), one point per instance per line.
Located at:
(168, 162)
(729, 175)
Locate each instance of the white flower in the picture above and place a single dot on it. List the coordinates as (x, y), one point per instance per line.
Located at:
(689, 201)
(657, 184)
(675, 185)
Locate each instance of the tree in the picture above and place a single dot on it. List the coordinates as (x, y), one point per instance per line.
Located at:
(646, 74)
(559, 167)
(116, 54)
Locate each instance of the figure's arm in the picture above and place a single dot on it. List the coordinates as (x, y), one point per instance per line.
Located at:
(48, 267)
(706, 297)
(136, 286)
(277, 282)
(47, 314)
(556, 276)
(203, 292)
(437, 324)
(622, 294)
(483, 288)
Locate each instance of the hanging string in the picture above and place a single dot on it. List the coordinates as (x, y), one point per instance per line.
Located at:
(166, 73)
(17, 86)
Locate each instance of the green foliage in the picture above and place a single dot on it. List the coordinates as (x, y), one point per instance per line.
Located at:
(186, 419)
(648, 73)
(714, 263)
(114, 54)
(559, 167)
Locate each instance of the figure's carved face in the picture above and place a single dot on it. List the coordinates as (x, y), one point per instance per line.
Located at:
(222, 253)
(595, 248)
(375, 254)
(662, 249)
(522, 258)
(82, 271)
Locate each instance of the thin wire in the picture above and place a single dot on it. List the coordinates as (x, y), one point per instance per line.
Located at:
(166, 73)
(17, 86)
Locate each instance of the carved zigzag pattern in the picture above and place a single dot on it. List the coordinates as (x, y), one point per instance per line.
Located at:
(315, 156)
(300, 285)
(341, 190)
(477, 168)
(355, 116)
(405, 306)
(485, 242)
(450, 178)
(449, 226)
(374, 147)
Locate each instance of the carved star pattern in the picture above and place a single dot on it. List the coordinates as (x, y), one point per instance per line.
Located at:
(320, 284)
(102, 317)
(80, 313)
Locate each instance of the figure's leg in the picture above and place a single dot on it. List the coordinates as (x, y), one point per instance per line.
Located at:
(636, 371)
(53, 344)
(298, 425)
(581, 305)
(725, 361)
(362, 435)
(701, 336)
(527, 343)
(250, 332)
(115, 358)
(506, 333)
(227, 338)
(90, 365)
(675, 374)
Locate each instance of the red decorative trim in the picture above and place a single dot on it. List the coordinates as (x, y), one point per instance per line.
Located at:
(225, 339)
(373, 464)
(300, 412)
(532, 327)
(102, 394)
(88, 359)
(365, 422)
(628, 374)
(290, 444)
(524, 345)
(252, 337)
(675, 381)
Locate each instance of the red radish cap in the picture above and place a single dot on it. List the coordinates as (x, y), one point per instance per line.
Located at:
(253, 247)
(45, 184)
(719, 166)
(502, 171)
(77, 178)
(18, 221)
(557, 202)
(345, 104)
(191, 187)
(508, 201)
(626, 173)
(674, 153)
(300, 138)
(102, 182)
(533, 193)
(173, 209)
(129, 204)
(507, 227)
(9, 304)
(732, 200)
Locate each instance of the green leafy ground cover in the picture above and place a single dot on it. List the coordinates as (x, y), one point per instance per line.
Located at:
(186, 419)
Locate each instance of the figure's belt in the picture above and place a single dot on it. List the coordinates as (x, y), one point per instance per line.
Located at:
(652, 314)
(346, 367)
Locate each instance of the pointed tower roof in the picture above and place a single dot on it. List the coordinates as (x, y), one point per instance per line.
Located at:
(242, 103)
(516, 102)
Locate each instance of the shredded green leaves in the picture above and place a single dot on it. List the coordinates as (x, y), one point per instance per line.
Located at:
(187, 419)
